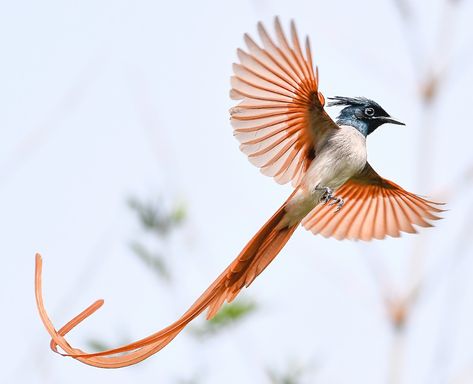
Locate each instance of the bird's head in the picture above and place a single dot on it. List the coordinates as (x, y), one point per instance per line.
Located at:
(361, 113)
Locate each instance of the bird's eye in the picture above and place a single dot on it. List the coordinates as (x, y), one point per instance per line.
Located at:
(369, 111)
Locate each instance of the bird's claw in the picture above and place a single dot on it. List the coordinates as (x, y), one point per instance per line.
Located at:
(338, 201)
(328, 196)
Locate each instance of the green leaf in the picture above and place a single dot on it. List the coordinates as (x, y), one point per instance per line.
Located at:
(154, 217)
(228, 315)
(293, 374)
(179, 213)
(97, 345)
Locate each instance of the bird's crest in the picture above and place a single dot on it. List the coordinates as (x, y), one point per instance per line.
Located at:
(350, 101)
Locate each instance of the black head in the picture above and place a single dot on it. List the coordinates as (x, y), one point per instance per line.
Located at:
(361, 113)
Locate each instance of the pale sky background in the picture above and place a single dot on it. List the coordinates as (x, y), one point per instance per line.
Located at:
(100, 101)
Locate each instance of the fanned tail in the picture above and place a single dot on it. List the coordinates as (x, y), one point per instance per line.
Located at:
(252, 260)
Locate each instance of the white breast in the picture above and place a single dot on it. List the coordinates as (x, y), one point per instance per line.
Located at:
(343, 155)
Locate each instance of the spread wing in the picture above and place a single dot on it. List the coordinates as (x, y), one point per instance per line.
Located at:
(280, 121)
(374, 208)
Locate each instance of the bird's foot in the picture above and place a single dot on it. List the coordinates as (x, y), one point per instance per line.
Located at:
(337, 201)
(328, 196)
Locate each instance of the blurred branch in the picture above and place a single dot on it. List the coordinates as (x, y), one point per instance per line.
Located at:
(454, 255)
(411, 36)
(188, 381)
(396, 357)
(147, 112)
(458, 186)
(455, 288)
(293, 374)
(429, 86)
(404, 9)
(69, 101)
(430, 81)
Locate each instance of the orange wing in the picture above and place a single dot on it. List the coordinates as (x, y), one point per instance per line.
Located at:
(374, 208)
(280, 121)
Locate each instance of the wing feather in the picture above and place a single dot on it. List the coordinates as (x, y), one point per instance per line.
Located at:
(280, 119)
(374, 208)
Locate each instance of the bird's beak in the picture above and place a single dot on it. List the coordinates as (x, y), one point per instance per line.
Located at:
(390, 120)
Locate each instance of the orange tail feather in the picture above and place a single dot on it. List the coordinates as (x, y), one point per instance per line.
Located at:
(252, 260)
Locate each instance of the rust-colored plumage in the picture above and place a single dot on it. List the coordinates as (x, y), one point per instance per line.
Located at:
(281, 105)
(375, 208)
(283, 128)
(251, 261)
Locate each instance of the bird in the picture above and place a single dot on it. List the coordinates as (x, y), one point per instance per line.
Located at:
(284, 129)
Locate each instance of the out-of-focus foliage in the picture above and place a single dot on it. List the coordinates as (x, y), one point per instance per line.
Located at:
(228, 315)
(158, 222)
(97, 345)
(431, 68)
(153, 260)
(293, 374)
(154, 217)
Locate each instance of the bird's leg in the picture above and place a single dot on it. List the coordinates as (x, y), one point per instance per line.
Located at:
(328, 195)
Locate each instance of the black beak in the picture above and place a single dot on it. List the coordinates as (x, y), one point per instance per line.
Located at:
(389, 119)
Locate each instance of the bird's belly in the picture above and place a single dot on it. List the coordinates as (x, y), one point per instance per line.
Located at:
(343, 156)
